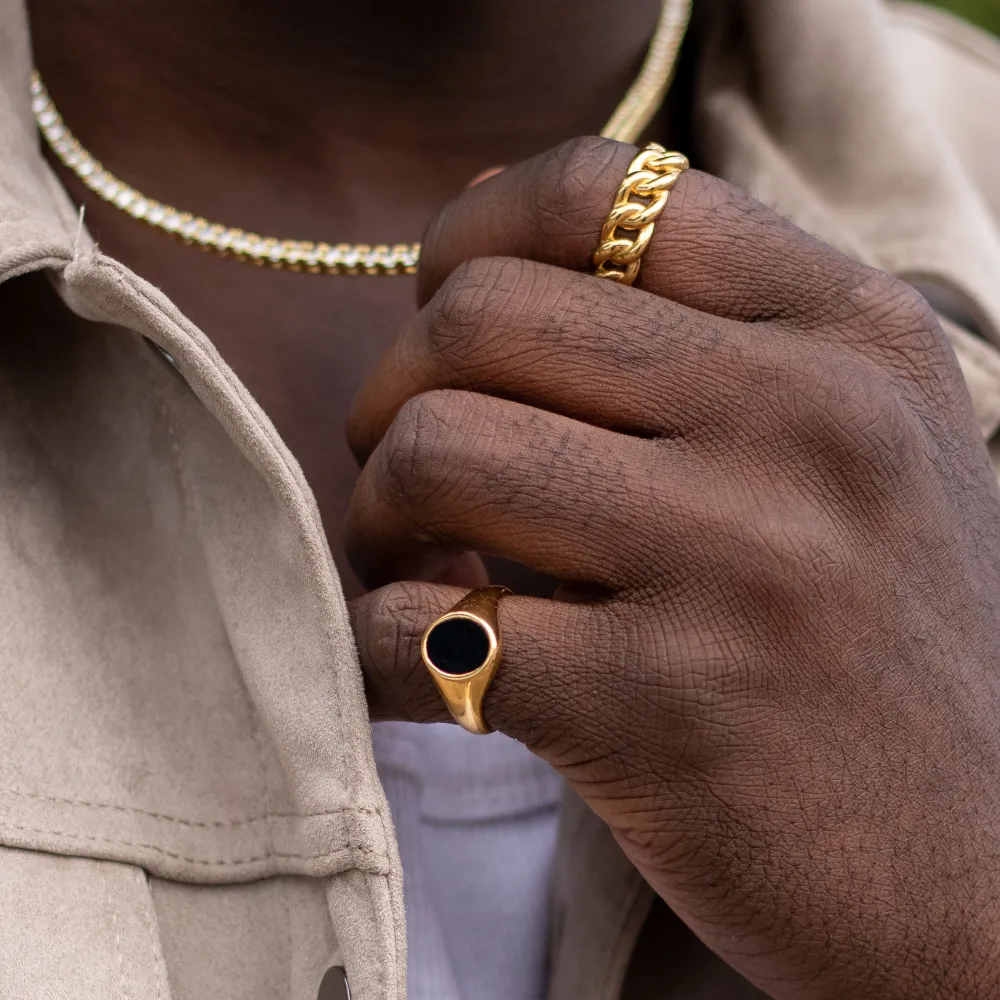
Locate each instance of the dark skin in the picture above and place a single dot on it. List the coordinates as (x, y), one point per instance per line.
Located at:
(772, 671)
(757, 477)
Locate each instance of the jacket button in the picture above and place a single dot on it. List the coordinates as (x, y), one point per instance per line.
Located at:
(334, 985)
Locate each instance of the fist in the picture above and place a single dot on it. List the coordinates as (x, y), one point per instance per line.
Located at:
(772, 662)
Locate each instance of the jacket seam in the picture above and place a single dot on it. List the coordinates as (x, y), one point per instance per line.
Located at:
(198, 824)
(116, 928)
(194, 859)
(158, 966)
(46, 259)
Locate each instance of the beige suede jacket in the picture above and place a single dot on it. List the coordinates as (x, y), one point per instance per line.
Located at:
(189, 807)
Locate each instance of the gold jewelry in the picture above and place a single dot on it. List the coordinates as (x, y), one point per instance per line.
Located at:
(462, 650)
(632, 116)
(641, 199)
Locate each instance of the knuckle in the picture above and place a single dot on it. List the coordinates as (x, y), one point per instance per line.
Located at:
(792, 558)
(772, 571)
(418, 449)
(898, 322)
(909, 306)
(575, 182)
(857, 429)
(919, 353)
(469, 305)
(884, 428)
(717, 218)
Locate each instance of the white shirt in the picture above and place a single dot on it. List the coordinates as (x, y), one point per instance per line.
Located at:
(476, 820)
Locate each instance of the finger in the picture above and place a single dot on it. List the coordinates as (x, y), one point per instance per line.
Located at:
(592, 350)
(714, 248)
(460, 471)
(555, 657)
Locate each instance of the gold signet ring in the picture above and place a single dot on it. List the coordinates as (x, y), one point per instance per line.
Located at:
(462, 650)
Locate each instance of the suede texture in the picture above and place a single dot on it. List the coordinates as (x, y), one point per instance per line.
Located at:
(188, 801)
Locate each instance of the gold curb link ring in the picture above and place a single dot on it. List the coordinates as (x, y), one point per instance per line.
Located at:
(641, 198)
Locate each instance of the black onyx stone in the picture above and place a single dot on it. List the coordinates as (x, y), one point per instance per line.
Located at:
(458, 646)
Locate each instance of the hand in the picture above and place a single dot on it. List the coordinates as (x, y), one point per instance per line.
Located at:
(774, 669)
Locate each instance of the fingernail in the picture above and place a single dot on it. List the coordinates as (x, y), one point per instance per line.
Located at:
(485, 175)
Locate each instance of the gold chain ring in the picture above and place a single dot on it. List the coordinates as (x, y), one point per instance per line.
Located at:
(641, 199)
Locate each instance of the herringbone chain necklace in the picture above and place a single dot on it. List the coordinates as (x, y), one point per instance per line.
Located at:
(626, 125)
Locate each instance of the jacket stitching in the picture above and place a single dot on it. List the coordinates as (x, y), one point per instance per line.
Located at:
(200, 824)
(203, 862)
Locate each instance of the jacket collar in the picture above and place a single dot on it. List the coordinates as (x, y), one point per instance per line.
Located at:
(38, 223)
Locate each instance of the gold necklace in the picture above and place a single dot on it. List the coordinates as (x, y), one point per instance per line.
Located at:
(626, 125)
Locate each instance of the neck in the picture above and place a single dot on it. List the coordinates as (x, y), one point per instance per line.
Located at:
(299, 86)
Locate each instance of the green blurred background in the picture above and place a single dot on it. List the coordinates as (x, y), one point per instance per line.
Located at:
(984, 12)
